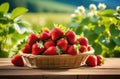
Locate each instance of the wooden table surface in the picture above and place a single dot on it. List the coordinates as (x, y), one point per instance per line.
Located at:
(110, 70)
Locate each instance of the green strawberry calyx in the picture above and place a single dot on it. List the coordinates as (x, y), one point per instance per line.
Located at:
(77, 47)
(58, 50)
(102, 60)
(40, 44)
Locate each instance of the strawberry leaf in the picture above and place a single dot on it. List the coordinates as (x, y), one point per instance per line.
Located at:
(18, 11)
(4, 8)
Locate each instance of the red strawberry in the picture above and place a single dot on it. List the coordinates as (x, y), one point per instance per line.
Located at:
(32, 39)
(70, 35)
(88, 47)
(72, 50)
(56, 33)
(47, 31)
(44, 36)
(52, 51)
(100, 60)
(49, 44)
(63, 44)
(83, 41)
(17, 60)
(27, 49)
(37, 49)
(91, 61)
(83, 48)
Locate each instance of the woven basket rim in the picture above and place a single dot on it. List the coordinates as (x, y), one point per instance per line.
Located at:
(87, 53)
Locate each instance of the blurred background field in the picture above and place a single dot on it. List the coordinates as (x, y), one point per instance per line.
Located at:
(46, 19)
(45, 13)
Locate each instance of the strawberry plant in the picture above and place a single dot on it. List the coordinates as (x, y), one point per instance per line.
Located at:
(12, 27)
(101, 26)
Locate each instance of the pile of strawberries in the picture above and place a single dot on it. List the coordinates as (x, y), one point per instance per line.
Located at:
(56, 42)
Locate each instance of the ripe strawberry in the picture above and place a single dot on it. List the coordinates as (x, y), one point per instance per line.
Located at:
(73, 50)
(91, 61)
(37, 49)
(63, 44)
(17, 60)
(83, 41)
(70, 35)
(27, 49)
(47, 31)
(56, 33)
(32, 39)
(100, 60)
(44, 36)
(88, 47)
(83, 48)
(52, 51)
(49, 44)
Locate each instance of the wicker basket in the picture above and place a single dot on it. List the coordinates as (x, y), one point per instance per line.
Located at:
(55, 61)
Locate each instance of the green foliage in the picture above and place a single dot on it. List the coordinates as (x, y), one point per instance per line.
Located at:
(12, 28)
(4, 8)
(101, 27)
(18, 11)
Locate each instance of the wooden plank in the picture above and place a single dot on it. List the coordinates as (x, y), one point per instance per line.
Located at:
(109, 63)
(22, 77)
(62, 72)
(111, 67)
(59, 77)
(104, 77)
(82, 77)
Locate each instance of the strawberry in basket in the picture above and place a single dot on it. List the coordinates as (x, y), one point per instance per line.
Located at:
(59, 47)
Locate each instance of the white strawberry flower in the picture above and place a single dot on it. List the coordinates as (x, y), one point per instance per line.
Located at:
(93, 7)
(81, 9)
(90, 14)
(118, 9)
(77, 12)
(73, 15)
(101, 6)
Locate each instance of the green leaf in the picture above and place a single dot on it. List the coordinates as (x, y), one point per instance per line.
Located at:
(92, 36)
(117, 40)
(11, 29)
(4, 8)
(98, 48)
(114, 30)
(108, 13)
(20, 29)
(99, 29)
(85, 21)
(102, 38)
(109, 43)
(3, 54)
(4, 20)
(94, 19)
(24, 23)
(18, 11)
